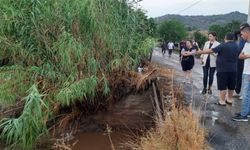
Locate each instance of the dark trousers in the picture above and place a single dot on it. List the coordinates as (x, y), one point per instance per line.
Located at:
(180, 54)
(163, 51)
(240, 68)
(208, 72)
(170, 52)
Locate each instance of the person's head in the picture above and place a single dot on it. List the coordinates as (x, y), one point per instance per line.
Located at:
(244, 25)
(245, 33)
(238, 32)
(229, 37)
(189, 43)
(212, 36)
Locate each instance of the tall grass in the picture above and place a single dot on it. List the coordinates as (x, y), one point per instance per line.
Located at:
(68, 48)
(13, 84)
(25, 130)
(83, 89)
(180, 130)
(58, 36)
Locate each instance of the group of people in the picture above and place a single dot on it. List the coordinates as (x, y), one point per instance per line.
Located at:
(231, 61)
(167, 46)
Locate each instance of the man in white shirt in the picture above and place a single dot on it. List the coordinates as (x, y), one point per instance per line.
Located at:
(170, 48)
(245, 54)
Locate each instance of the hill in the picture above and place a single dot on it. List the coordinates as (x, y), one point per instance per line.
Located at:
(203, 22)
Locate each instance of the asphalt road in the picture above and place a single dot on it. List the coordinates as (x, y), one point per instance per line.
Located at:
(222, 132)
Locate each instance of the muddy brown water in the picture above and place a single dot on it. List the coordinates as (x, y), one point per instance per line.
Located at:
(129, 116)
(101, 141)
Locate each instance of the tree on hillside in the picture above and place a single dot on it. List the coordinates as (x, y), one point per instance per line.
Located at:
(232, 26)
(172, 30)
(220, 30)
(200, 38)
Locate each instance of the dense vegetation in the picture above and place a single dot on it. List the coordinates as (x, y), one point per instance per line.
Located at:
(172, 30)
(200, 38)
(61, 53)
(222, 30)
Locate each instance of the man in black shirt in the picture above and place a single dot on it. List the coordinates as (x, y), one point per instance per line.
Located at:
(226, 66)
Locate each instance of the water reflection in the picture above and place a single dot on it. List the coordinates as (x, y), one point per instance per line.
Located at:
(214, 116)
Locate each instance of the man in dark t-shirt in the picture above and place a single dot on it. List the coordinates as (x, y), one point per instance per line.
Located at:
(227, 56)
(226, 66)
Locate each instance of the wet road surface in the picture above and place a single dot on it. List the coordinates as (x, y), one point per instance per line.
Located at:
(222, 132)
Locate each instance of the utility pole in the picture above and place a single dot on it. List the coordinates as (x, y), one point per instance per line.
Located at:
(248, 18)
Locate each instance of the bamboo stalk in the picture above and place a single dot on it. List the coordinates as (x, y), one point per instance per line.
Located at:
(158, 109)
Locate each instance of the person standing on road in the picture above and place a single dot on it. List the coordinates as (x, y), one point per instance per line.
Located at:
(226, 66)
(208, 63)
(170, 48)
(163, 48)
(245, 54)
(240, 64)
(187, 60)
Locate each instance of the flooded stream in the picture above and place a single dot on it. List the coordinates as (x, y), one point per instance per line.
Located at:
(128, 117)
(101, 141)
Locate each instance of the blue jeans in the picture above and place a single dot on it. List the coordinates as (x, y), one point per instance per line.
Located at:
(245, 107)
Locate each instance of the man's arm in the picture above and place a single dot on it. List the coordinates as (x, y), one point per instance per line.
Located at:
(208, 51)
(244, 56)
(217, 49)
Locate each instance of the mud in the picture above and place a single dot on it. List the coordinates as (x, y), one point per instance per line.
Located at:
(101, 141)
(132, 112)
(128, 118)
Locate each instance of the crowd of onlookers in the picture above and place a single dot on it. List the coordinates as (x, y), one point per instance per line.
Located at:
(230, 60)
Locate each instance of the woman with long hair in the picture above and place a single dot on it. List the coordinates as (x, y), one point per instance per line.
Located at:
(209, 64)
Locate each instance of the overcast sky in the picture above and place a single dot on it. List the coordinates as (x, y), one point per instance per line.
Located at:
(155, 8)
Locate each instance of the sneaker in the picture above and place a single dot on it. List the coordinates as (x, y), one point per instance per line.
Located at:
(204, 91)
(240, 118)
(236, 95)
(238, 114)
(209, 91)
